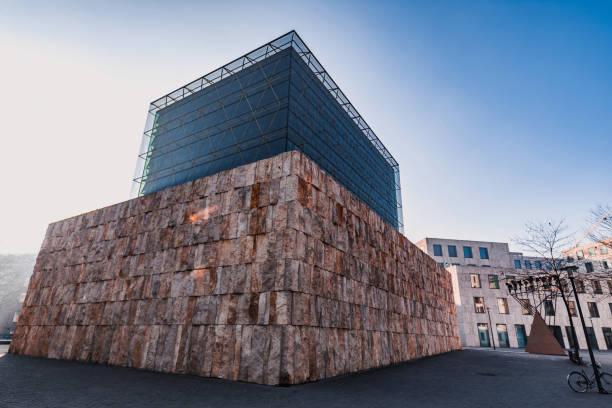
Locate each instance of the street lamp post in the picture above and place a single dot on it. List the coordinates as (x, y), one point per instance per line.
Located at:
(491, 326)
(570, 274)
(573, 333)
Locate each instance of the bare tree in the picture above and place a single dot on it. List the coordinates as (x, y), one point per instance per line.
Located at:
(600, 221)
(548, 240)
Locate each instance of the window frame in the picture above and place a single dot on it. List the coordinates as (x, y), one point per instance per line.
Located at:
(437, 247)
(454, 251)
(484, 250)
(494, 281)
(477, 275)
(593, 310)
(504, 302)
(468, 250)
(476, 303)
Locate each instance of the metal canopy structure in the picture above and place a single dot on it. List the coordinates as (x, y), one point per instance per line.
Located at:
(275, 47)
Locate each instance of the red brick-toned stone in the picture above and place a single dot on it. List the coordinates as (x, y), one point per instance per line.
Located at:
(270, 273)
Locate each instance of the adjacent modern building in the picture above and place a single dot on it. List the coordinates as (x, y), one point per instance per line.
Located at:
(489, 314)
(275, 99)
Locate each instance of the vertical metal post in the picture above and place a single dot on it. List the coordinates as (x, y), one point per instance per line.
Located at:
(593, 362)
(491, 326)
(565, 302)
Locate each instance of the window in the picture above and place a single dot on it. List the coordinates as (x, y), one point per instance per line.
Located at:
(579, 285)
(610, 305)
(593, 311)
(437, 250)
(502, 335)
(538, 265)
(592, 251)
(479, 304)
(549, 308)
(493, 282)
(441, 264)
(502, 305)
(596, 287)
(579, 254)
(605, 264)
(510, 277)
(475, 279)
(588, 266)
(548, 266)
(570, 258)
(467, 252)
(484, 253)
(452, 251)
(603, 250)
(525, 306)
(610, 287)
(572, 307)
(527, 264)
(517, 264)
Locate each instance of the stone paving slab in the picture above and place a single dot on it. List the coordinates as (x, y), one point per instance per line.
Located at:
(470, 378)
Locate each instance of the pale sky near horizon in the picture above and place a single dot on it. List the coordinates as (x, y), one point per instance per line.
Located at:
(498, 112)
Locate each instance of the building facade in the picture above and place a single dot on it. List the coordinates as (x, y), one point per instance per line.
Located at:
(487, 312)
(275, 99)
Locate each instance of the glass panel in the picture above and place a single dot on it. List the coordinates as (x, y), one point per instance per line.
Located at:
(437, 250)
(479, 305)
(521, 335)
(493, 282)
(484, 253)
(475, 280)
(483, 334)
(502, 335)
(467, 252)
(452, 251)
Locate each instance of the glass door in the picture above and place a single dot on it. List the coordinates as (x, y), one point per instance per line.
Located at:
(591, 338)
(502, 335)
(483, 335)
(521, 335)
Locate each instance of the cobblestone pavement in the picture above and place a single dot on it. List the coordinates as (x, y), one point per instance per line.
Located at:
(468, 378)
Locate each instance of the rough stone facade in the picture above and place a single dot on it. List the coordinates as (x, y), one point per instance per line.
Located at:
(269, 273)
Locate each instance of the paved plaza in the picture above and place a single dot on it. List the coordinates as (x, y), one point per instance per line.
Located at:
(468, 378)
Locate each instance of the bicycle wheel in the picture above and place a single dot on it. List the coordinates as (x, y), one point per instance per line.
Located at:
(577, 382)
(606, 382)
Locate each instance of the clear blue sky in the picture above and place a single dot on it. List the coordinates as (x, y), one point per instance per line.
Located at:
(498, 112)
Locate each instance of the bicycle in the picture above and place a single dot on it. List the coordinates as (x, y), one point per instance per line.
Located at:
(578, 381)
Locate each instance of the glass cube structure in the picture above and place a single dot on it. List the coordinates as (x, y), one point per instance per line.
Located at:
(274, 99)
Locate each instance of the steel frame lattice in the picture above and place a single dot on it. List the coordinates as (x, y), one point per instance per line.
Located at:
(289, 40)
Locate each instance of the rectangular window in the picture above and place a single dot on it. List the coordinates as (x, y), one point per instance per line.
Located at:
(452, 251)
(525, 306)
(467, 252)
(527, 264)
(441, 264)
(502, 335)
(610, 287)
(579, 254)
(479, 305)
(517, 264)
(596, 287)
(592, 251)
(502, 305)
(549, 308)
(437, 250)
(493, 282)
(607, 333)
(593, 311)
(588, 266)
(610, 305)
(603, 250)
(538, 265)
(475, 279)
(484, 253)
(605, 264)
(572, 307)
(579, 285)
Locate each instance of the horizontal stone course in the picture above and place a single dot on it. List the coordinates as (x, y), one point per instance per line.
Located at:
(269, 273)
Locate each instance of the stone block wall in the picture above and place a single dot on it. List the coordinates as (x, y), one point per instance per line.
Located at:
(269, 273)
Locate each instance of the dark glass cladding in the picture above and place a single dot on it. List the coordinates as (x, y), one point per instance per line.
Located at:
(273, 106)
